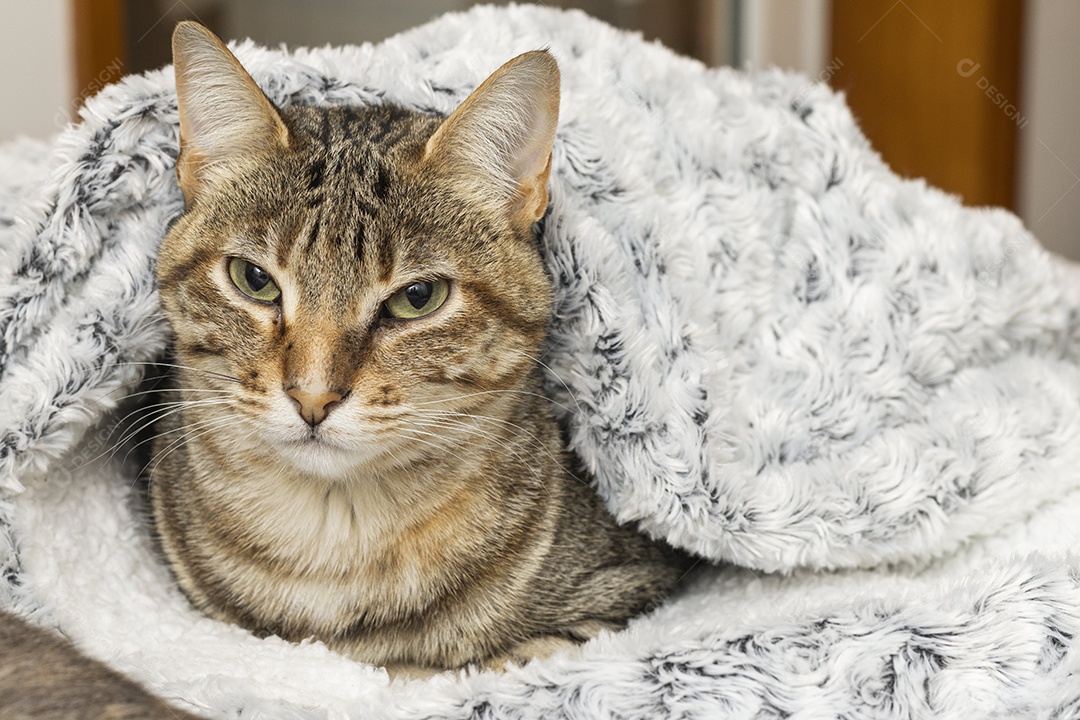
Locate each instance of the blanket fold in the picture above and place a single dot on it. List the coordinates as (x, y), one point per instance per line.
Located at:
(767, 349)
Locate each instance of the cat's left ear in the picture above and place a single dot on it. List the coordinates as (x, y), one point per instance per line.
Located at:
(498, 142)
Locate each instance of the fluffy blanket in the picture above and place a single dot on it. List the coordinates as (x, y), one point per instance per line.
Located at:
(855, 398)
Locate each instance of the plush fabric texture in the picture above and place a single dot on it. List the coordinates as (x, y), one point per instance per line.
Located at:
(855, 396)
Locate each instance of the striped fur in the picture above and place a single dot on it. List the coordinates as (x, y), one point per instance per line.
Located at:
(433, 517)
(42, 677)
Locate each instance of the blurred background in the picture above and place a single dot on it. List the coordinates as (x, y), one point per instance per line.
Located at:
(980, 97)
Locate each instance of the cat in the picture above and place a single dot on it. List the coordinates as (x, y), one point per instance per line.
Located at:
(42, 677)
(364, 455)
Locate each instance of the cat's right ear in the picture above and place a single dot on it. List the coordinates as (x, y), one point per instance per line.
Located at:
(224, 116)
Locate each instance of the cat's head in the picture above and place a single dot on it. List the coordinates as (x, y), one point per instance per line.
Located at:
(345, 279)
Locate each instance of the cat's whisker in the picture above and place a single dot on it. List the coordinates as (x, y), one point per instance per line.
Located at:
(419, 434)
(448, 423)
(454, 423)
(151, 391)
(178, 390)
(204, 422)
(457, 423)
(175, 366)
(194, 431)
(450, 420)
(482, 393)
(203, 427)
(219, 393)
(418, 409)
(447, 443)
(552, 373)
(154, 412)
(439, 442)
(160, 412)
(398, 456)
(536, 442)
(164, 410)
(416, 433)
(169, 404)
(476, 416)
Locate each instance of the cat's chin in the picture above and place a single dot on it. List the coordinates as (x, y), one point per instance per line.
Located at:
(323, 458)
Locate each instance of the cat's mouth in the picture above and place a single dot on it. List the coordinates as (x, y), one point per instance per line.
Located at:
(318, 454)
(315, 441)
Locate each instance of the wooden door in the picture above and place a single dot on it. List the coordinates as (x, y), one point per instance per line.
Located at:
(935, 86)
(100, 53)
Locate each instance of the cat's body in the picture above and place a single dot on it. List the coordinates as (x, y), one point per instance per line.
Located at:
(392, 570)
(365, 455)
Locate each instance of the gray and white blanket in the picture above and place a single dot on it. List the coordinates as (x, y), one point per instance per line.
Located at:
(857, 399)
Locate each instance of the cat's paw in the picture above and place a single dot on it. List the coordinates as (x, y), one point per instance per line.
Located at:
(537, 648)
(532, 649)
(405, 672)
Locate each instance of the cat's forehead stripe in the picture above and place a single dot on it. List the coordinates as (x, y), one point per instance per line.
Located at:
(359, 242)
(348, 157)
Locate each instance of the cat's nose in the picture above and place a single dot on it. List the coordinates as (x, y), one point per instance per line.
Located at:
(314, 406)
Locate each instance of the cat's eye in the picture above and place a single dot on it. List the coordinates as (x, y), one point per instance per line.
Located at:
(253, 281)
(417, 299)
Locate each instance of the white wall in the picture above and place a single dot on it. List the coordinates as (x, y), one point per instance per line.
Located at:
(1049, 143)
(37, 77)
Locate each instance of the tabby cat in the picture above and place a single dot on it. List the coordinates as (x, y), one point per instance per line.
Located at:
(365, 455)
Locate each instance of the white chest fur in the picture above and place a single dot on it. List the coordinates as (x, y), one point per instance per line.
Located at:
(317, 552)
